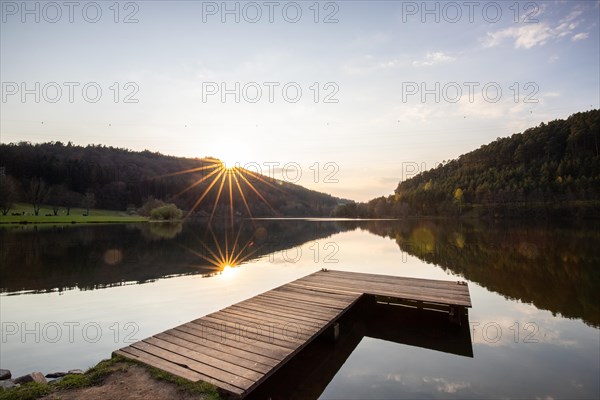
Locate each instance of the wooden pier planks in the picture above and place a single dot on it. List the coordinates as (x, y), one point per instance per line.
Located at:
(238, 347)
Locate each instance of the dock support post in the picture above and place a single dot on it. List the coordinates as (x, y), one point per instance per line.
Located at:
(336, 331)
(455, 315)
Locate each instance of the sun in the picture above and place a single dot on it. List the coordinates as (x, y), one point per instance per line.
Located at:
(231, 158)
(227, 177)
(230, 165)
(227, 271)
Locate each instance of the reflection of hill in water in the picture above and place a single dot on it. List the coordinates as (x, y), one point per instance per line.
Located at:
(89, 257)
(553, 267)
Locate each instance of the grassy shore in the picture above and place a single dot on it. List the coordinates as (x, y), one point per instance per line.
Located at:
(76, 216)
(117, 378)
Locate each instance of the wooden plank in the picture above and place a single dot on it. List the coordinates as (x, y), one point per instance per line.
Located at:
(240, 346)
(205, 359)
(266, 349)
(402, 292)
(216, 375)
(308, 286)
(249, 333)
(306, 299)
(169, 367)
(272, 330)
(225, 349)
(294, 309)
(452, 287)
(219, 355)
(380, 278)
(283, 313)
(340, 297)
(291, 318)
(274, 300)
(276, 323)
(264, 322)
(396, 280)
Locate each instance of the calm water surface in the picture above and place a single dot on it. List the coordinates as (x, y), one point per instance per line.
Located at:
(71, 295)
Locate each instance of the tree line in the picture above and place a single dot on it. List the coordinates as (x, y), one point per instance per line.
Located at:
(65, 176)
(552, 170)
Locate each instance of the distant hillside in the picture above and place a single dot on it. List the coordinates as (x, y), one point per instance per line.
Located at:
(547, 171)
(120, 179)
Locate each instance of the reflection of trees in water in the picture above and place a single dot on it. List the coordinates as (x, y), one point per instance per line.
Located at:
(160, 230)
(36, 258)
(553, 267)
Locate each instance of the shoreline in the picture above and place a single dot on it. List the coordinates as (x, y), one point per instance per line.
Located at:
(114, 378)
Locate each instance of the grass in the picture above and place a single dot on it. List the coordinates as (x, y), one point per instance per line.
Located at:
(27, 391)
(46, 216)
(92, 377)
(96, 375)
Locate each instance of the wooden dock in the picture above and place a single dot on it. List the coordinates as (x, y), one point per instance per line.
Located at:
(239, 347)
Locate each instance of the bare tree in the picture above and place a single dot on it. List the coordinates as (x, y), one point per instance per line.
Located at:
(37, 193)
(89, 200)
(71, 199)
(56, 196)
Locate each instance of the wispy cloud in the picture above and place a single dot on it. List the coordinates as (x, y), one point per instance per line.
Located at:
(446, 386)
(526, 36)
(580, 36)
(430, 59)
(538, 34)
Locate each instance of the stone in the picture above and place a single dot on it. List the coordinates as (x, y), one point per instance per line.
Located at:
(5, 374)
(7, 384)
(32, 377)
(75, 371)
(23, 379)
(55, 374)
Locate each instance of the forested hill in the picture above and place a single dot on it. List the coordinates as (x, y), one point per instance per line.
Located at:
(549, 170)
(118, 179)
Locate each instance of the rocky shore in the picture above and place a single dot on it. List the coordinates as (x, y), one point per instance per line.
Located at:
(7, 382)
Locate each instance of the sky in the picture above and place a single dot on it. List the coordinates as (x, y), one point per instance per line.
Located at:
(344, 97)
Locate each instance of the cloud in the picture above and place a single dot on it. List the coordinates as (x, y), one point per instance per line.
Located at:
(430, 59)
(538, 34)
(526, 36)
(580, 36)
(445, 386)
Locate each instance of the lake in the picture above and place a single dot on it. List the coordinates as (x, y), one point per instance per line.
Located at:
(70, 295)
